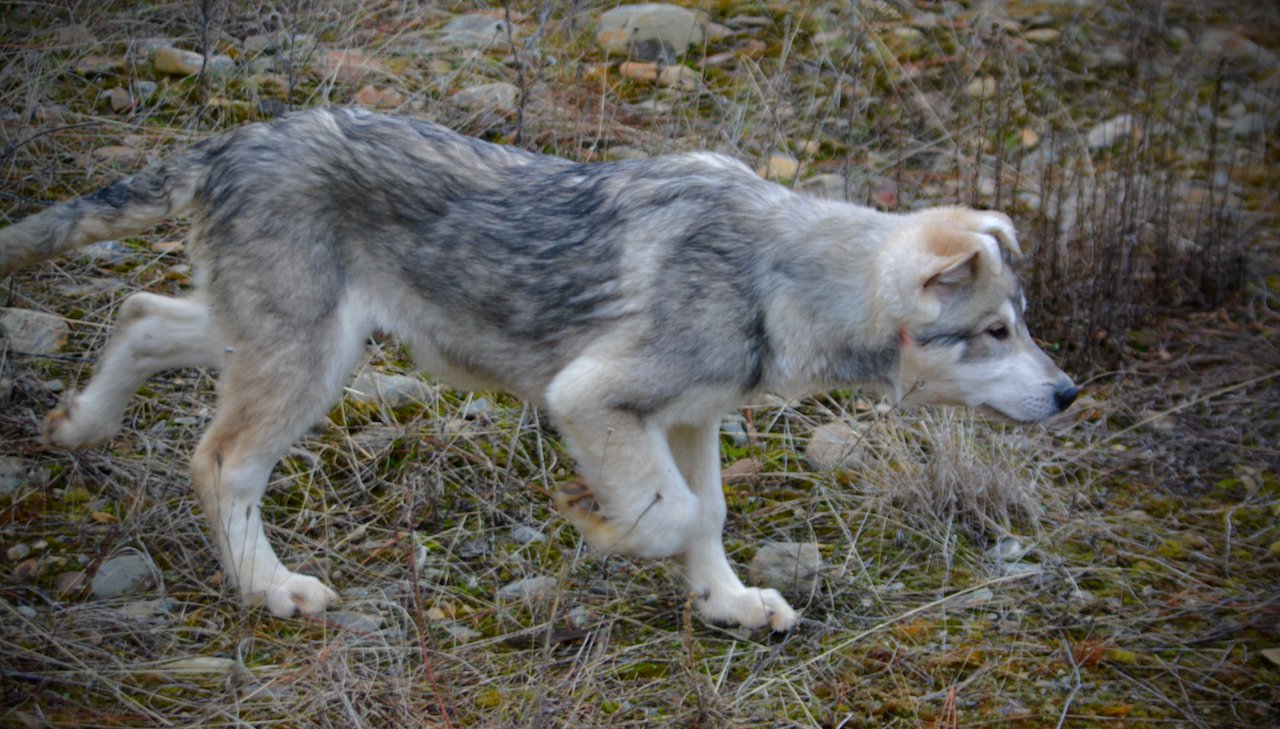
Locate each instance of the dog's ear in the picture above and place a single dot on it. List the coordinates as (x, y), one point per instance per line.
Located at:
(942, 262)
(957, 257)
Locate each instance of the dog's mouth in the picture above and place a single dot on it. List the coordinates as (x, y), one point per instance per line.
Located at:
(992, 411)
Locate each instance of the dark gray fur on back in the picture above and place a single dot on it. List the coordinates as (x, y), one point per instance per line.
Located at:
(538, 250)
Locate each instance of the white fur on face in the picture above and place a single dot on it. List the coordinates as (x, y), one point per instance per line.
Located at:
(1012, 377)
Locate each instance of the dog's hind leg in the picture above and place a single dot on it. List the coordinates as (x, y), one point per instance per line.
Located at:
(272, 390)
(719, 595)
(152, 333)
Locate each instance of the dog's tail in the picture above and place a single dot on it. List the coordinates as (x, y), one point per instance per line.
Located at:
(125, 207)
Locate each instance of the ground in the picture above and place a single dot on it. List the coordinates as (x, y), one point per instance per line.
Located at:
(1118, 566)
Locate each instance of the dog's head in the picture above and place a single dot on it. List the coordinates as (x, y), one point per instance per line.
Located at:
(964, 339)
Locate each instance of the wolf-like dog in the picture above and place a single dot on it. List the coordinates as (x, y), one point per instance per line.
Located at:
(635, 301)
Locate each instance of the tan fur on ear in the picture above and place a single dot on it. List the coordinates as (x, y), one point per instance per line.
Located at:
(955, 256)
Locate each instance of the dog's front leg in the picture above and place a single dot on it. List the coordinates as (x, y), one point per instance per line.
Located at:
(720, 596)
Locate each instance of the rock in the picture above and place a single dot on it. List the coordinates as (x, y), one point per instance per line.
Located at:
(117, 154)
(977, 598)
(779, 167)
(477, 407)
(376, 98)
(192, 665)
(70, 583)
(499, 97)
(121, 575)
(260, 43)
(358, 622)
(147, 609)
(475, 30)
(673, 76)
(651, 31)
(375, 438)
(530, 588)
(735, 426)
(143, 89)
(833, 446)
(119, 98)
(1237, 47)
(789, 567)
(34, 332)
(981, 87)
(177, 62)
(522, 534)
(1113, 131)
(390, 391)
(28, 612)
(459, 632)
(16, 473)
(1043, 35)
(99, 66)
(143, 50)
(1250, 125)
(348, 66)
(18, 552)
(1008, 549)
(826, 184)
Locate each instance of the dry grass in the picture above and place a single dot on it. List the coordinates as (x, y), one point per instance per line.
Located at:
(1146, 587)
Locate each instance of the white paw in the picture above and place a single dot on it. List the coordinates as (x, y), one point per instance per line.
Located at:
(299, 595)
(749, 607)
(74, 426)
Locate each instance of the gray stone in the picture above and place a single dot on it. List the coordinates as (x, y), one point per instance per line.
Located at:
(1112, 131)
(177, 62)
(826, 184)
(522, 534)
(16, 473)
(144, 49)
(143, 89)
(735, 426)
(1008, 549)
(18, 552)
(475, 30)
(458, 631)
(121, 575)
(111, 251)
(789, 567)
(499, 97)
(1237, 47)
(833, 446)
(35, 332)
(477, 407)
(358, 622)
(649, 31)
(1250, 125)
(530, 588)
(391, 391)
(977, 598)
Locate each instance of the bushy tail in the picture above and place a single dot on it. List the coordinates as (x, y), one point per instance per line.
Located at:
(125, 207)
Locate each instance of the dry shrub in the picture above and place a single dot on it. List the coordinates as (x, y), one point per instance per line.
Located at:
(944, 466)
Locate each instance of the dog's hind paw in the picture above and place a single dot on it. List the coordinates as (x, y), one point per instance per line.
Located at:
(299, 595)
(578, 504)
(750, 607)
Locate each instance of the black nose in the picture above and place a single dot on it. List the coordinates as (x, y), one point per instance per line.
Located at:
(1064, 395)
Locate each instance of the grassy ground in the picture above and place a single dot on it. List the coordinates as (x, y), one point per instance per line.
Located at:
(1143, 587)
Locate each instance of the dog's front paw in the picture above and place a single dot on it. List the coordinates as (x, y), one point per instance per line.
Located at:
(750, 607)
(298, 595)
(74, 426)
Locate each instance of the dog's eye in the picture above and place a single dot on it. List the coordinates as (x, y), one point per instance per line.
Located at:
(999, 332)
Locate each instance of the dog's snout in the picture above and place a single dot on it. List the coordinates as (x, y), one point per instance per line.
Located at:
(1065, 394)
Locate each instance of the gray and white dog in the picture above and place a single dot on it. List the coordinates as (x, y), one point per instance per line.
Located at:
(634, 301)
